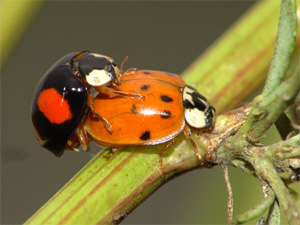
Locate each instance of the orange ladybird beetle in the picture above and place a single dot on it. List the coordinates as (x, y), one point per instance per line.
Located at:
(167, 108)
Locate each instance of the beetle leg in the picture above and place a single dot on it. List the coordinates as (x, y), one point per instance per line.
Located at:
(125, 94)
(131, 71)
(73, 143)
(105, 123)
(83, 138)
(160, 154)
(79, 138)
(116, 84)
(187, 133)
(104, 89)
(118, 80)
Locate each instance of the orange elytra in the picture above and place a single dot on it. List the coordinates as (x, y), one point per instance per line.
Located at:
(168, 107)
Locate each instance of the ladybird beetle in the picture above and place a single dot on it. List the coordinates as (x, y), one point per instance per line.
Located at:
(62, 98)
(169, 107)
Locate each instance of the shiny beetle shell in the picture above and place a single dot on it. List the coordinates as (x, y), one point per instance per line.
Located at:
(60, 101)
(160, 116)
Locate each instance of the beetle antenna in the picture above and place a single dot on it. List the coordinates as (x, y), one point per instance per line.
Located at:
(124, 60)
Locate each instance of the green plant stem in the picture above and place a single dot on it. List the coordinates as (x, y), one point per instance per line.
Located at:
(276, 103)
(266, 170)
(113, 184)
(286, 149)
(256, 211)
(286, 39)
(266, 110)
(109, 187)
(274, 214)
(276, 91)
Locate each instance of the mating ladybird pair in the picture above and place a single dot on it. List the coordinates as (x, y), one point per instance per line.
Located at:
(135, 107)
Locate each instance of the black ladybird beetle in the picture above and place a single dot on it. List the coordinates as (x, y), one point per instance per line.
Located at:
(62, 98)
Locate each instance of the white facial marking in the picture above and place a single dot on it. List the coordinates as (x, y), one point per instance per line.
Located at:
(195, 118)
(98, 78)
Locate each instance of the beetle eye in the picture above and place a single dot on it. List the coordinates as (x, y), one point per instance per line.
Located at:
(110, 69)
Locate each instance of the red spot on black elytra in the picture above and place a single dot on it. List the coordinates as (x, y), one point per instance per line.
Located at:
(54, 107)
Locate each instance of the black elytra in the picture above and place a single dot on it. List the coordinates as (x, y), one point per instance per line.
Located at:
(68, 77)
(60, 76)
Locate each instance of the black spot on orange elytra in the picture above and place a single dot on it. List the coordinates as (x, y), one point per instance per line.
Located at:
(166, 98)
(145, 87)
(165, 114)
(145, 72)
(145, 136)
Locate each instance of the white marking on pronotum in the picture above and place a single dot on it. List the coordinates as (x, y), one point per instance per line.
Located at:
(193, 115)
(98, 77)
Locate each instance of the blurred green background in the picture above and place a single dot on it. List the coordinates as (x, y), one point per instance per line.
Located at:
(167, 36)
